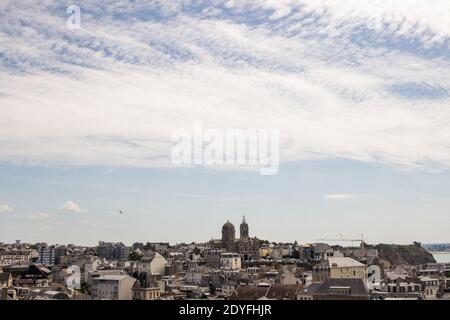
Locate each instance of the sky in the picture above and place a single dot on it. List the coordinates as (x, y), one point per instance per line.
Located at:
(359, 90)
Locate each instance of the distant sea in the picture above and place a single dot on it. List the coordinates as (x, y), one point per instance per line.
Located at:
(442, 257)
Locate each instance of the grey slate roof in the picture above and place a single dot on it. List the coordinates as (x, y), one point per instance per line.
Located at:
(4, 276)
(310, 290)
(358, 287)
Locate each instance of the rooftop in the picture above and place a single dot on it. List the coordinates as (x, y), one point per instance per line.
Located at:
(344, 262)
(112, 277)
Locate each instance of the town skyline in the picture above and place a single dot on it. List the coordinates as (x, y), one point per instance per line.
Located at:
(352, 97)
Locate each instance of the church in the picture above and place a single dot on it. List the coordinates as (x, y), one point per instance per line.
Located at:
(247, 247)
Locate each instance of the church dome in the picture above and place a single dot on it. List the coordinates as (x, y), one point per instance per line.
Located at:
(228, 232)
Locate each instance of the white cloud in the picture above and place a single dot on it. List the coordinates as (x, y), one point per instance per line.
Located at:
(112, 93)
(340, 196)
(39, 215)
(5, 208)
(71, 207)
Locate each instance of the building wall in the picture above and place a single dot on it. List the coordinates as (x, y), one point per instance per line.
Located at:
(194, 277)
(158, 264)
(113, 289)
(349, 272)
(146, 293)
(8, 258)
(228, 290)
(47, 255)
(113, 251)
(320, 275)
(230, 261)
(212, 257)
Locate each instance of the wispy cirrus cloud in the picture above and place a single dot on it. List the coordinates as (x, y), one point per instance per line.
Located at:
(340, 196)
(359, 80)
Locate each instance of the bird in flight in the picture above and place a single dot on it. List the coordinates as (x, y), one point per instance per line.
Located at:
(120, 211)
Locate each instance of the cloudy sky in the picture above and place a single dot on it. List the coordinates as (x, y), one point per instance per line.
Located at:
(359, 89)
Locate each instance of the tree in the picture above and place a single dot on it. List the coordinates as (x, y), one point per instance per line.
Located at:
(134, 256)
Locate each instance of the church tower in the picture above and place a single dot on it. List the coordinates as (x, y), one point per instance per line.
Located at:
(244, 230)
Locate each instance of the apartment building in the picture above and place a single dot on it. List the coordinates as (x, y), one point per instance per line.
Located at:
(339, 268)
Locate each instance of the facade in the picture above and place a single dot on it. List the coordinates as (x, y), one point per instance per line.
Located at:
(194, 276)
(92, 275)
(230, 260)
(426, 286)
(15, 257)
(113, 251)
(265, 250)
(228, 289)
(339, 268)
(146, 293)
(154, 263)
(212, 257)
(145, 288)
(430, 286)
(326, 254)
(161, 247)
(49, 255)
(112, 287)
(404, 287)
(246, 247)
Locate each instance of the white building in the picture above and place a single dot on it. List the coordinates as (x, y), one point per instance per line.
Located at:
(92, 275)
(15, 257)
(112, 287)
(154, 263)
(326, 254)
(430, 286)
(230, 260)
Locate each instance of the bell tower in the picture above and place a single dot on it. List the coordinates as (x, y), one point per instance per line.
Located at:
(244, 229)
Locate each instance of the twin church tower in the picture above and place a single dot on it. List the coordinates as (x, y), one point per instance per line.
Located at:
(247, 247)
(228, 232)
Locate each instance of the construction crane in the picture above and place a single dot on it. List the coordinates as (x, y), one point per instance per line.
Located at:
(362, 241)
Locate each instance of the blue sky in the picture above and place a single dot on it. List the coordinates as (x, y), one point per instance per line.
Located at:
(359, 90)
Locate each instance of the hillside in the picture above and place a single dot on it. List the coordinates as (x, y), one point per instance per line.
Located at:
(394, 254)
